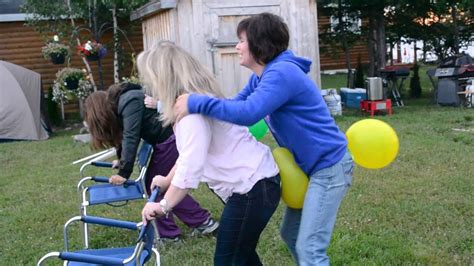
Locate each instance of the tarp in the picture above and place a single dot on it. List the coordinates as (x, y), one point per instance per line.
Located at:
(20, 103)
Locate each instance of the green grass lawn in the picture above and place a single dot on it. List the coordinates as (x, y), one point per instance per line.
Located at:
(418, 210)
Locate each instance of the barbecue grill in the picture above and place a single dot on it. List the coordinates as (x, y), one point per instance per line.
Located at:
(393, 77)
(453, 74)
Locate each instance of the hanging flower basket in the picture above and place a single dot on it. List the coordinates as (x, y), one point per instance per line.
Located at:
(57, 59)
(92, 50)
(71, 83)
(55, 51)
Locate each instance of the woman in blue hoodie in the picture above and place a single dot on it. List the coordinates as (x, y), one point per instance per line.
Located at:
(281, 92)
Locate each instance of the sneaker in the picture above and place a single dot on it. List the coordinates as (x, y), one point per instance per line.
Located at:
(206, 228)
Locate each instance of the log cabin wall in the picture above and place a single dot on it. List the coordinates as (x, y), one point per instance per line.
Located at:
(21, 45)
(331, 60)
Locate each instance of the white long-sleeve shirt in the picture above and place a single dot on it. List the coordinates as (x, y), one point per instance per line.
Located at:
(225, 156)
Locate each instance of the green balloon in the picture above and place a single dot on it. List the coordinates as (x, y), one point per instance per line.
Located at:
(259, 129)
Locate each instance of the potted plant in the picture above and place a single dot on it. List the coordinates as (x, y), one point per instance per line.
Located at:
(92, 50)
(84, 89)
(69, 83)
(55, 51)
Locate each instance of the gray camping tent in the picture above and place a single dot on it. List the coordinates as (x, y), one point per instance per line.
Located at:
(20, 103)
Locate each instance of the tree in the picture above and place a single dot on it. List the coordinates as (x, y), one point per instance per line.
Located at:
(340, 34)
(359, 81)
(452, 26)
(374, 12)
(444, 26)
(120, 9)
(405, 21)
(415, 87)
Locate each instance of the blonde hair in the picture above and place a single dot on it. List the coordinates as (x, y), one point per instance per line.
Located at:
(169, 71)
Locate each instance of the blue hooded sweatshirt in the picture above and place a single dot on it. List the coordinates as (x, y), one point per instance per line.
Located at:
(298, 117)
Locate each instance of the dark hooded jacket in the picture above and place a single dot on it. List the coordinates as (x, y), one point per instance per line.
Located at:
(137, 122)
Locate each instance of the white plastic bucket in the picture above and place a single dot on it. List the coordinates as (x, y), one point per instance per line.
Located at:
(333, 101)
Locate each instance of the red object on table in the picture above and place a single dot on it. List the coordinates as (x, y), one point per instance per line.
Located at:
(372, 106)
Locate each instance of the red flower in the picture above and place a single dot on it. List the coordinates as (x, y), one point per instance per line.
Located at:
(91, 48)
(82, 51)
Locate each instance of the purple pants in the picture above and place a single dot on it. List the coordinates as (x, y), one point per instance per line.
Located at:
(188, 210)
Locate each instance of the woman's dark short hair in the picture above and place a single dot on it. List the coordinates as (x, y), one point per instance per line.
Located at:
(267, 36)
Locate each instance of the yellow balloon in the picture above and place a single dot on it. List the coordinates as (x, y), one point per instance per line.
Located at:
(373, 143)
(294, 181)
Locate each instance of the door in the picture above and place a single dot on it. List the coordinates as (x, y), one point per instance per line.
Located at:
(221, 19)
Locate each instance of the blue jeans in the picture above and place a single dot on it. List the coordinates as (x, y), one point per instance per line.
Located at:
(243, 220)
(307, 232)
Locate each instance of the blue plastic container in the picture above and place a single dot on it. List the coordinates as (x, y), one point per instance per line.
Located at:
(352, 98)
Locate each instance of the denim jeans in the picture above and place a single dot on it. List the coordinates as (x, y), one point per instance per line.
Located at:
(307, 232)
(243, 220)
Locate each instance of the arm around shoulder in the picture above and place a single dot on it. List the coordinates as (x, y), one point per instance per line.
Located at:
(270, 94)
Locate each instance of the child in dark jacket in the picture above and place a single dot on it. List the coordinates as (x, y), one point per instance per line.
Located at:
(118, 118)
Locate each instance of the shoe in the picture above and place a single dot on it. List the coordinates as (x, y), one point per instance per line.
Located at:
(206, 228)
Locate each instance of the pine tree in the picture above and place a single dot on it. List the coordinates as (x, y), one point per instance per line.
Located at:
(359, 81)
(52, 109)
(415, 87)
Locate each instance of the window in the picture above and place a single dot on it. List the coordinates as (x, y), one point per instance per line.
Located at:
(353, 23)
